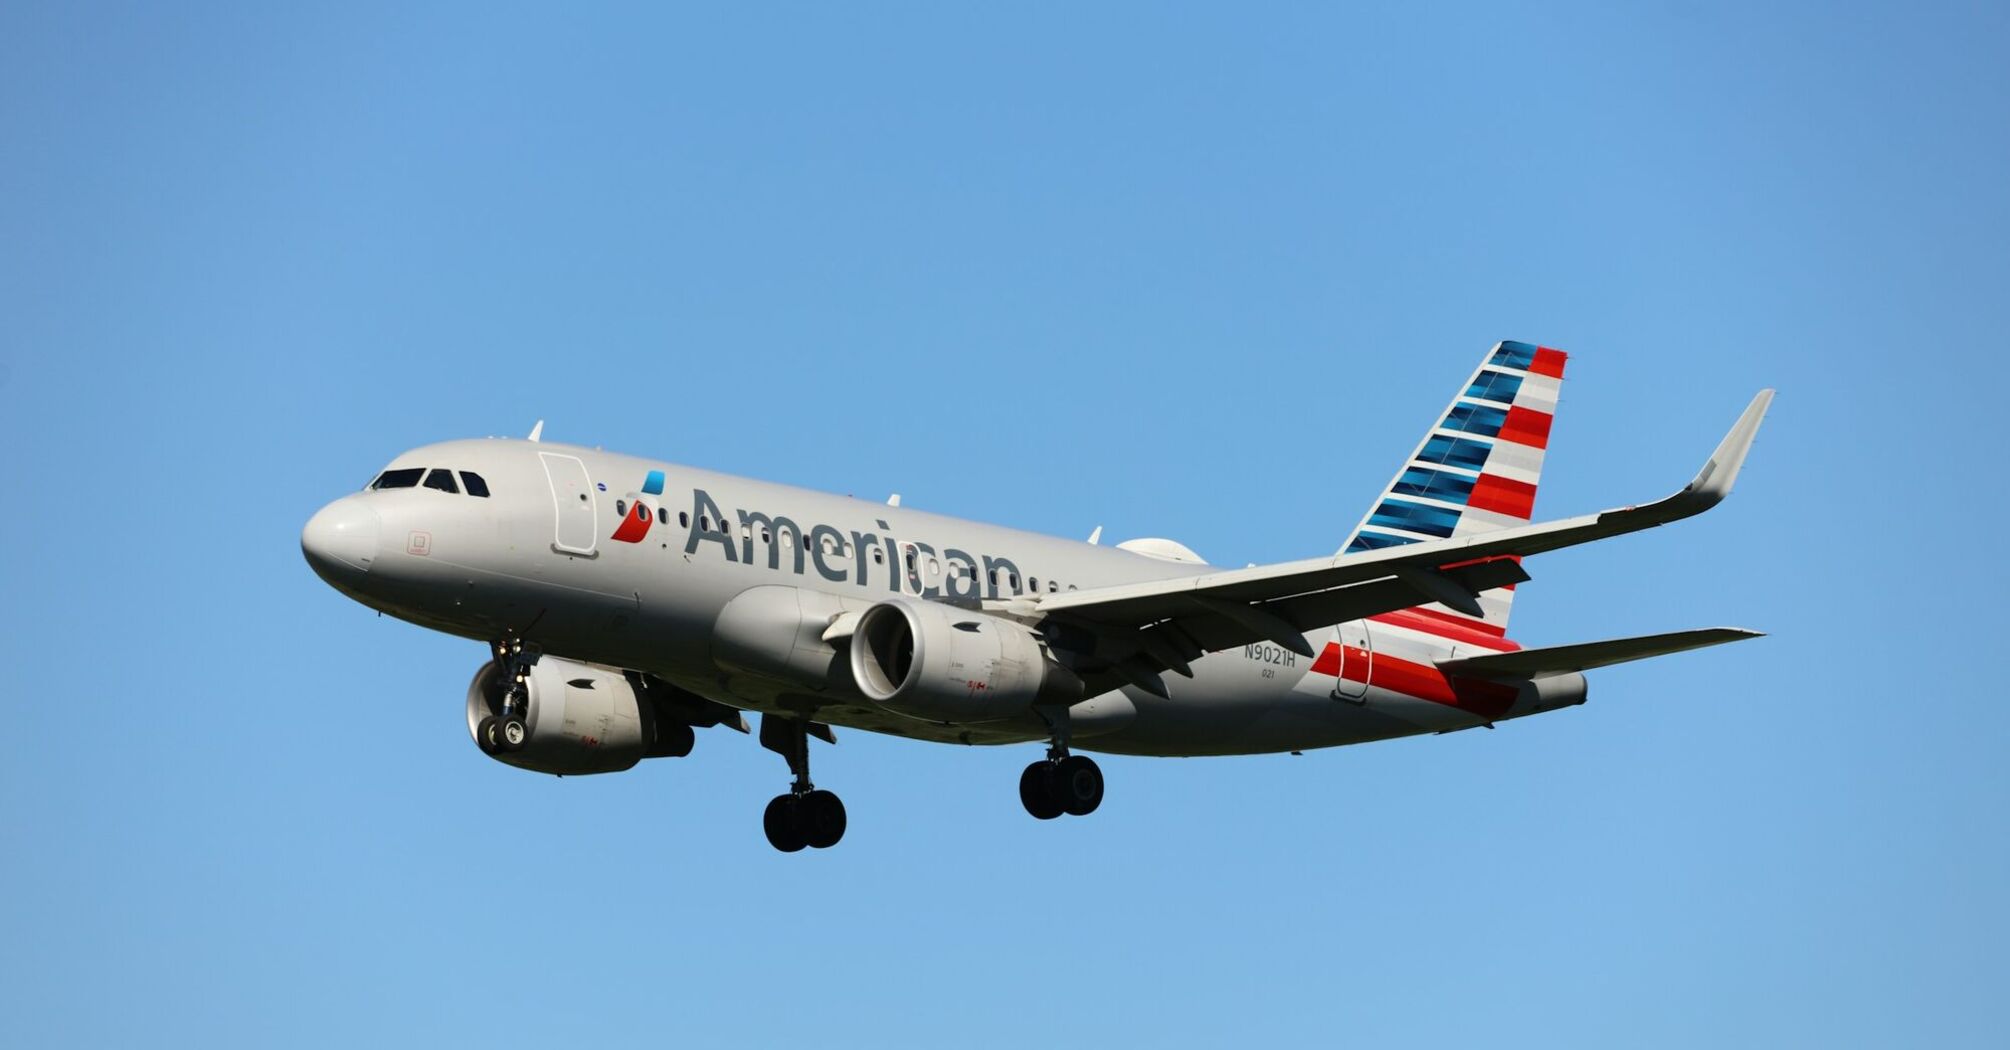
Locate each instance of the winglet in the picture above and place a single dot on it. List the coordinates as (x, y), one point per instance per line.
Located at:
(537, 431)
(1714, 481)
(1711, 484)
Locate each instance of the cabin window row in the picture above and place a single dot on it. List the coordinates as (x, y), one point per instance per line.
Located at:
(840, 549)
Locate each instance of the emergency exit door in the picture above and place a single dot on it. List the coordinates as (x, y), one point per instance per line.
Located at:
(1357, 663)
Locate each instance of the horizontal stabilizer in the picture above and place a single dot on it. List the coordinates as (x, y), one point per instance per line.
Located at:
(1563, 659)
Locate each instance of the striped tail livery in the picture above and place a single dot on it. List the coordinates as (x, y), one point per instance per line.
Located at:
(1476, 469)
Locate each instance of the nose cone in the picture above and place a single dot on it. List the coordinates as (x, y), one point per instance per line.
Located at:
(340, 542)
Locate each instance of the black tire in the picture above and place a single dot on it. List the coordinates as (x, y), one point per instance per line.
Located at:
(485, 736)
(821, 816)
(785, 831)
(1078, 785)
(512, 733)
(1036, 791)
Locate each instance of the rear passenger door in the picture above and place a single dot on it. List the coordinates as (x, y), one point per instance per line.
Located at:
(576, 517)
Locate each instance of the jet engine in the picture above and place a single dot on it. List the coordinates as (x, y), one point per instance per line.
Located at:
(583, 718)
(944, 664)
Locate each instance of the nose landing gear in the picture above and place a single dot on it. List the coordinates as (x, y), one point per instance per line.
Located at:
(806, 816)
(1063, 783)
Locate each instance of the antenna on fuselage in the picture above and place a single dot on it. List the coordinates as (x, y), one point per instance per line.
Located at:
(1096, 535)
(893, 500)
(537, 431)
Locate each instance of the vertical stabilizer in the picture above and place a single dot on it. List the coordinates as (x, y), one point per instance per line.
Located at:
(1477, 467)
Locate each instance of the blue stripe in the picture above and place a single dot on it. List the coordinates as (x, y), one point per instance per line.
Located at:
(653, 484)
(1415, 517)
(1437, 484)
(1368, 541)
(1494, 386)
(1514, 355)
(1476, 419)
(1455, 452)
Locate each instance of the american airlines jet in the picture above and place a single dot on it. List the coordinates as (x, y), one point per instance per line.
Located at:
(627, 602)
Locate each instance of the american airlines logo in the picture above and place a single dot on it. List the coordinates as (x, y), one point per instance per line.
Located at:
(862, 558)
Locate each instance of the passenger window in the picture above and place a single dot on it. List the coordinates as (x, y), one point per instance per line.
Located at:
(1032, 583)
(474, 484)
(704, 523)
(399, 479)
(621, 508)
(442, 480)
(663, 515)
(878, 556)
(1052, 587)
(683, 519)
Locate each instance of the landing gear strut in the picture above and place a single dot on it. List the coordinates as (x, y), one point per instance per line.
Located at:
(509, 729)
(805, 816)
(1063, 783)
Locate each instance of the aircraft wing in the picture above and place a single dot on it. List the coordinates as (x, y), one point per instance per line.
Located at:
(1164, 624)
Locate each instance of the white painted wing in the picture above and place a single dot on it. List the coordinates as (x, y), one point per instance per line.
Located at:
(1182, 617)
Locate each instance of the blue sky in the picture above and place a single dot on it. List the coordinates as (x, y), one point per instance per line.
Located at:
(1194, 272)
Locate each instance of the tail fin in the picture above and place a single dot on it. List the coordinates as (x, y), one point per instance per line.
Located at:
(1477, 468)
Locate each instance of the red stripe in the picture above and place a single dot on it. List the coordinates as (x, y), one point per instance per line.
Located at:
(1548, 362)
(1452, 628)
(1484, 698)
(1526, 426)
(1501, 495)
(1329, 661)
(1450, 565)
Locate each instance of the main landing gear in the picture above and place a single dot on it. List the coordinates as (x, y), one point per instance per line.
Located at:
(805, 816)
(1063, 783)
(509, 729)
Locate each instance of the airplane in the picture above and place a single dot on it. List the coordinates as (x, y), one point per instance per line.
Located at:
(627, 602)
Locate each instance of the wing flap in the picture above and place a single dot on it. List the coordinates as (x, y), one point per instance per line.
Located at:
(1564, 659)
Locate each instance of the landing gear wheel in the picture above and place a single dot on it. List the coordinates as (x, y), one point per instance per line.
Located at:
(1036, 791)
(1077, 785)
(805, 816)
(785, 831)
(485, 736)
(511, 733)
(821, 817)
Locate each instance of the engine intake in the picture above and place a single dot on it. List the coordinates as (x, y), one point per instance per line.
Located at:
(582, 718)
(944, 664)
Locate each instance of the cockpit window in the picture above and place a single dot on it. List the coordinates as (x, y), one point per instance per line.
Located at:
(474, 484)
(442, 480)
(398, 479)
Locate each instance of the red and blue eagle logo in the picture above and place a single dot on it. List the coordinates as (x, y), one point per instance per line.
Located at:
(639, 515)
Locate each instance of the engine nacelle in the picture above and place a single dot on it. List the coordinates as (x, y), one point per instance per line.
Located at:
(582, 718)
(943, 664)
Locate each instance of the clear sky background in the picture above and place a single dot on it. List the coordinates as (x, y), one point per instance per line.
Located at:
(1200, 273)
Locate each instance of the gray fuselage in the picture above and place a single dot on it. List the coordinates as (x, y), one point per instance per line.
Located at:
(572, 550)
